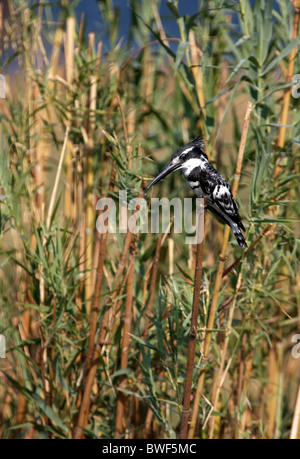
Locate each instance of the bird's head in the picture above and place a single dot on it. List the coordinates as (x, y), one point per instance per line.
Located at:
(187, 157)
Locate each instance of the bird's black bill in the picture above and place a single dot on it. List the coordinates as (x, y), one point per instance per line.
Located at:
(166, 171)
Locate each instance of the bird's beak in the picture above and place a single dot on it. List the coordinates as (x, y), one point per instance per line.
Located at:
(166, 171)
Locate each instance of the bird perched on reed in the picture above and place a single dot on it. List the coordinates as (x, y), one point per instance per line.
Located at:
(205, 181)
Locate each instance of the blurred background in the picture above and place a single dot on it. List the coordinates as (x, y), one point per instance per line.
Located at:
(98, 96)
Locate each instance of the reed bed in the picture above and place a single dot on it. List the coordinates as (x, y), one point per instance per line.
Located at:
(124, 335)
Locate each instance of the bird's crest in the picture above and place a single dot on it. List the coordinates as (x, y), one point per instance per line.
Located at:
(198, 141)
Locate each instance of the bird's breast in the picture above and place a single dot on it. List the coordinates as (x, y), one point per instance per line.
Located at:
(194, 185)
(192, 177)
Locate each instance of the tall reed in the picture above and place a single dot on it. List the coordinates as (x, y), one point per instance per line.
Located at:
(98, 326)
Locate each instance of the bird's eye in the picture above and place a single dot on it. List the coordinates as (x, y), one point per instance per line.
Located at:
(183, 156)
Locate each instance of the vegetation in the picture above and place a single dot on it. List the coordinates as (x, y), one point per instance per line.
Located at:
(97, 326)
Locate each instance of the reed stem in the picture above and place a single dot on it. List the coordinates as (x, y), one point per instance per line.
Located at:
(193, 330)
(288, 92)
(295, 430)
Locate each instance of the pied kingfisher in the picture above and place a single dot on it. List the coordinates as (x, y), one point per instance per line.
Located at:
(205, 181)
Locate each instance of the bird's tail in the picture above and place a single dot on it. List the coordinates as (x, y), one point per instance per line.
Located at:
(235, 228)
(239, 237)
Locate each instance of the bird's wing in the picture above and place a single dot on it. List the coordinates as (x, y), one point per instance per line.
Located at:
(224, 199)
(215, 186)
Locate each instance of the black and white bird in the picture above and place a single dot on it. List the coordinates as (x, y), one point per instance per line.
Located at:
(205, 181)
